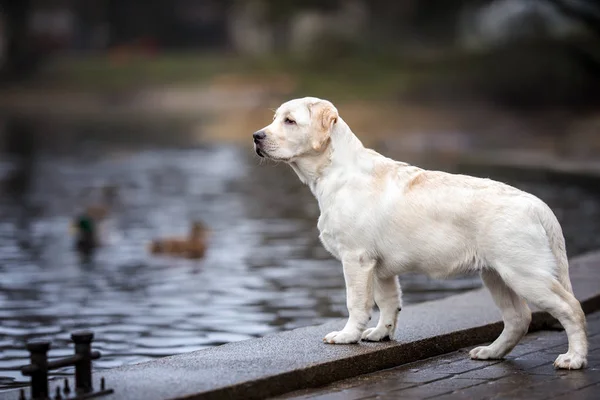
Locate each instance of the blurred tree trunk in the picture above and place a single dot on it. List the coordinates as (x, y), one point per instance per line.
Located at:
(115, 22)
(281, 33)
(438, 19)
(281, 12)
(392, 21)
(20, 58)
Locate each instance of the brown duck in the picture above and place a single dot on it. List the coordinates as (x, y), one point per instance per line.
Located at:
(192, 246)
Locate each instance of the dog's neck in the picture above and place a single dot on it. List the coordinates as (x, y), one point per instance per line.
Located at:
(341, 153)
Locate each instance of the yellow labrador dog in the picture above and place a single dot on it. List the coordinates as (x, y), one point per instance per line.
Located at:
(382, 218)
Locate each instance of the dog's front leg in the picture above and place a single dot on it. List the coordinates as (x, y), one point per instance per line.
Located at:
(388, 299)
(358, 274)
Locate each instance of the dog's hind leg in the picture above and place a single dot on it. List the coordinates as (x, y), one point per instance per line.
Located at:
(515, 314)
(548, 294)
(387, 297)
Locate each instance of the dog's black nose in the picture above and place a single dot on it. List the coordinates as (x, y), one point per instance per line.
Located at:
(258, 136)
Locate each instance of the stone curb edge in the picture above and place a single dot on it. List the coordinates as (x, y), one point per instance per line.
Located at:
(389, 357)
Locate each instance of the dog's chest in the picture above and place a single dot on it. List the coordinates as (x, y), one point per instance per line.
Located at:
(346, 221)
(338, 232)
(328, 236)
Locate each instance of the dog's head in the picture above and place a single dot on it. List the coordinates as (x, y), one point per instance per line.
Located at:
(300, 127)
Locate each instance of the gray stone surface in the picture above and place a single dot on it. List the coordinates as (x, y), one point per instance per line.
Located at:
(298, 359)
(525, 374)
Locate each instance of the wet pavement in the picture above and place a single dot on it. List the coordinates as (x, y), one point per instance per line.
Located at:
(526, 373)
(264, 271)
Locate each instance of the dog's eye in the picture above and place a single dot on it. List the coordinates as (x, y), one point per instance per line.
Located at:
(289, 121)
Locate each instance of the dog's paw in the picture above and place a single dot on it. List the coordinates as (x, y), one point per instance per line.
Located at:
(484, 353)
(376, 335)
(570, 361)
(342, 337)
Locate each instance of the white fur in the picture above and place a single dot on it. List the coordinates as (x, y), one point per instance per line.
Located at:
(382, 218)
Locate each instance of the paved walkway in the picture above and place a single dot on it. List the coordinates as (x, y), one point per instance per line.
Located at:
(527, 373)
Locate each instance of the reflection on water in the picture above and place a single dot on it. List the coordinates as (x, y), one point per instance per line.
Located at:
(264, 271)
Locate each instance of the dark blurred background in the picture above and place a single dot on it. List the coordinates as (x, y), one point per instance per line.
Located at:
(538, 60)
(142, 111)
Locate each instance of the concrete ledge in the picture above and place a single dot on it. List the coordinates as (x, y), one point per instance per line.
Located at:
(298, 359)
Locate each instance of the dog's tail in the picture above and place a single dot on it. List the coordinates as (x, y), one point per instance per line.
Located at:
(556, 240)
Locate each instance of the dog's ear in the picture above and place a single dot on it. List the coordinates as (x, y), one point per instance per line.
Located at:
(325, 116)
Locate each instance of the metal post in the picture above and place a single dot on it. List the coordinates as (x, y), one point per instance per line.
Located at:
(39, 375)
(83, 367)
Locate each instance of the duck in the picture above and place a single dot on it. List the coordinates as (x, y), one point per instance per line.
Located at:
(192, 246)
(86, 236)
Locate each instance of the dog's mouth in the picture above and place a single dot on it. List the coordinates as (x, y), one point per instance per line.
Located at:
(263, 154)
(259, 151)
